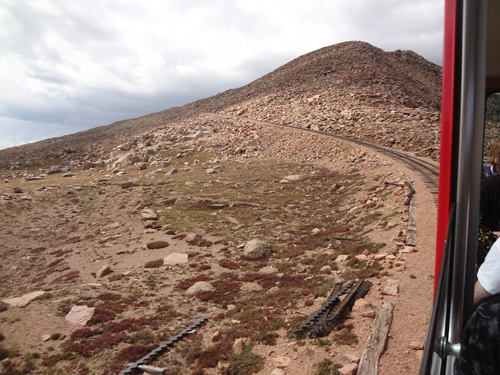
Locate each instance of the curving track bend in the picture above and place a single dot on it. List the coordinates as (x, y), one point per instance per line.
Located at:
(429, 171)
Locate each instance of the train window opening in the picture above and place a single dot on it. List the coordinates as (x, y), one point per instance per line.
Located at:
(492, 124)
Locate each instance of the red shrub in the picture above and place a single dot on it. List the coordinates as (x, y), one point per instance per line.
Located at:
(131, 325)
(101, 315)
(163, 308)
(84, 333)
(85, 348)
(230, 265)
(108, 340)
(109, 296)
(133, 352)
(205, 243)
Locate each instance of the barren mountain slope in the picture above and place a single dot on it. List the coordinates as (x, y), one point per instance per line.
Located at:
(123, 222)
(352, 89)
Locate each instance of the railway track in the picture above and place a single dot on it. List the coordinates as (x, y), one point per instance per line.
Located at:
(322, 322)
(132, 368)
(428, 171)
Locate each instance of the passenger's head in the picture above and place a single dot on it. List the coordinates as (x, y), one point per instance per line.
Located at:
(494, 155)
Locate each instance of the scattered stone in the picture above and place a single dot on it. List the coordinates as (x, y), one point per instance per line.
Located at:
(148, 214)
(295, 177)
(17, 190)
(300, 268)
(69, 174)
(172, 171)
(87, 165)
(80, 315)
(342, 258)
(152, 370)
(360, 302)
(175, 259)
(390, 290)
(46, 338)
(349, 358)
(325, 269)
(278, 371)
(305, 355)
(157, 245)
(111, 226)
(193, 238)
(128, 184)
(251, 288)
(268, 270)
(257, 249)
(216, 336)
(200, 286)
(368, 314)
(274, 289)
(103, 271)
(24, 300)
(182, 201)
(416, 345)
(282, 361)
(239, 345)
(349, 369)
(231, 220)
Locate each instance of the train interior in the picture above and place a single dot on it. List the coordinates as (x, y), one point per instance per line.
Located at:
(472, 29)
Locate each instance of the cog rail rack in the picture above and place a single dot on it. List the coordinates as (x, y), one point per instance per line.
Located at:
(333, 310)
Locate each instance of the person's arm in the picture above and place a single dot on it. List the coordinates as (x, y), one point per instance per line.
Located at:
(479, 292)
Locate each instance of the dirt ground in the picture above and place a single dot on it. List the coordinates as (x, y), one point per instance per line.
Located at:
(59, 232)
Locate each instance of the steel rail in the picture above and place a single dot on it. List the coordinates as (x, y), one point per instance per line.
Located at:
(394, 154)
(324, 319)
(329, 319)
(332, 300)
(164, 346)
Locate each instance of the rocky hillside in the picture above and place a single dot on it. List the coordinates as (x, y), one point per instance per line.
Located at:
(117, 239)
(351, 89)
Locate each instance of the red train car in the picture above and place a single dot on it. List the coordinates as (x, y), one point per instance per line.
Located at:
(471, 77)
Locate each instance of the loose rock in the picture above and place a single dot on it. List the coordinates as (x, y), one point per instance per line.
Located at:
(80, 315)
(257, 249)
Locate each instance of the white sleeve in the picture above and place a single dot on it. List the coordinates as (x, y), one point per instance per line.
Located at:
(489, 272)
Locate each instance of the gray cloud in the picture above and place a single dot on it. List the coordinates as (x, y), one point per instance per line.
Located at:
(69, 66)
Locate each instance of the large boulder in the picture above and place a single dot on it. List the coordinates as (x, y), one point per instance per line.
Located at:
(257, 249)
(80, 315)
(24, 300)
(200, 286)
(175, 259)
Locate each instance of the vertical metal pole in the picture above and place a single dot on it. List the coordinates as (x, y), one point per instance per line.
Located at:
(469, 165)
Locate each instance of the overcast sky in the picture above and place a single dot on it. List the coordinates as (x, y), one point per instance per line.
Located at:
(67, 66)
